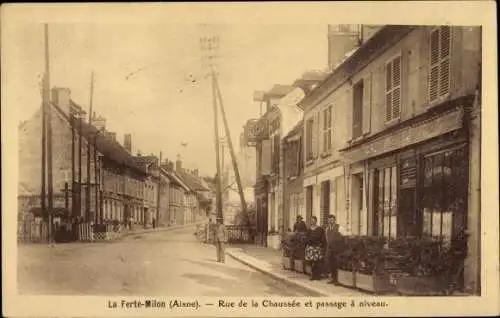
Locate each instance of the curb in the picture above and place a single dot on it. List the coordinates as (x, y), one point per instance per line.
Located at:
(279, 277)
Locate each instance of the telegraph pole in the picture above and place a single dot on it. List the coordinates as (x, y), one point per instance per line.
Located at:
(50, 189)
(99, 217)
(158, 192)
(209, 45)
(87, 189)
(231, 149)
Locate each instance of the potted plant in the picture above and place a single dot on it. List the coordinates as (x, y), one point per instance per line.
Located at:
(345, 259)
(287, 247)
(299, 251)
(369, 256)
(428, 265)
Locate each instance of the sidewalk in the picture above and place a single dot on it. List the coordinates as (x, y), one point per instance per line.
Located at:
(268, 261)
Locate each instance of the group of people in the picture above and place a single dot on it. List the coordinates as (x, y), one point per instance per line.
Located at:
(323, 246)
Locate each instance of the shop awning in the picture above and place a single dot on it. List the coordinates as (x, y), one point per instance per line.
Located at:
(405, 136)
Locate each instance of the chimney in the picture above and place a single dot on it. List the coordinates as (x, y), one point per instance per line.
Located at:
(170, 166)
(178, 166)
(196, 173)
(127, 142)
(112, 136)
(99, 122)
(342, 38)
(61, 97)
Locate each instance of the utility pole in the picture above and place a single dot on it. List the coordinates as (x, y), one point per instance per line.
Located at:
(73, 168)
(44, 150)
(50, 189)
(158, 192)
(231, 149)
(99, 218)
(87, 189)
(209, 45)
(79, 185)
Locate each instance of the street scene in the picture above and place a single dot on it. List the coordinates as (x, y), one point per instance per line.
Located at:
(169, 263)
(193, 160)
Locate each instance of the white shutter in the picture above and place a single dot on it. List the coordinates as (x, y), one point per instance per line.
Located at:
(393, 89)
(440, 51)
(367, 103)
(388, 93)
(434, 63)
(396, 84)
(315, 135)
(444, 56)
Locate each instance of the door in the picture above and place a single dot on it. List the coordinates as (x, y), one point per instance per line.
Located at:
(325, 202)
(309, 204)
(409, 214)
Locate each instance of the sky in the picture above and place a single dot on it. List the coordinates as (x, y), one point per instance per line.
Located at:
(169, 101)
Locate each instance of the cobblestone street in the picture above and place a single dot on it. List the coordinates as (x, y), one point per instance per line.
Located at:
(169, 263)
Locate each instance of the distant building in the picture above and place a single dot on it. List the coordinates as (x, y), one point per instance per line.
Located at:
(115, 179)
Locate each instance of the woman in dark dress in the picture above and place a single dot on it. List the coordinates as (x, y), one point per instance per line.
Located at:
(315, 248)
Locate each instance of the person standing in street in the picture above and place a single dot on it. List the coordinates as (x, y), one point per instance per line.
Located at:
(315, 248)
(220, 240)
(300, 225)
(334, 246)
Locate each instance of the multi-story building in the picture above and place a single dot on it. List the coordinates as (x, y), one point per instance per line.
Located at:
(151, 198)
(293, 168)
(178, 192)
(392, 138)
(110, 189)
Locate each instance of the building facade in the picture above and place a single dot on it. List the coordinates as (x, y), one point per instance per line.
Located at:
(392, 139)
(110, 189)
(293, 191)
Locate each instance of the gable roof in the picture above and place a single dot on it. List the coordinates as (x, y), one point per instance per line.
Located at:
(174, 178)
(109, 148)
(144, 161)
(192, 181)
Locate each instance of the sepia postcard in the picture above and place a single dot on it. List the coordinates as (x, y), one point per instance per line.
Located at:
(250, 159)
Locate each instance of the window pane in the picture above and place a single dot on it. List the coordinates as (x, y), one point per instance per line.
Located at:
(393, 201)
(380, 205)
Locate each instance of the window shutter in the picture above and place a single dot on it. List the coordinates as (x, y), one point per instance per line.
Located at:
(388, 93)
(444, 52)
(434, 61)
(315, 135)
(367, 103)
(396, 84)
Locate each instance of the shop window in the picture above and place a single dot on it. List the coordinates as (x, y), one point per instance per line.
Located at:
(385, 217)
(444, 194)
(440, 63)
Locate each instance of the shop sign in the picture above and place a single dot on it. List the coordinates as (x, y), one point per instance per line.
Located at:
(407, 136)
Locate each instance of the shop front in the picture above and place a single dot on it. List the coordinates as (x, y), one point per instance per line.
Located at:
(261, 217)
(412, 181)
